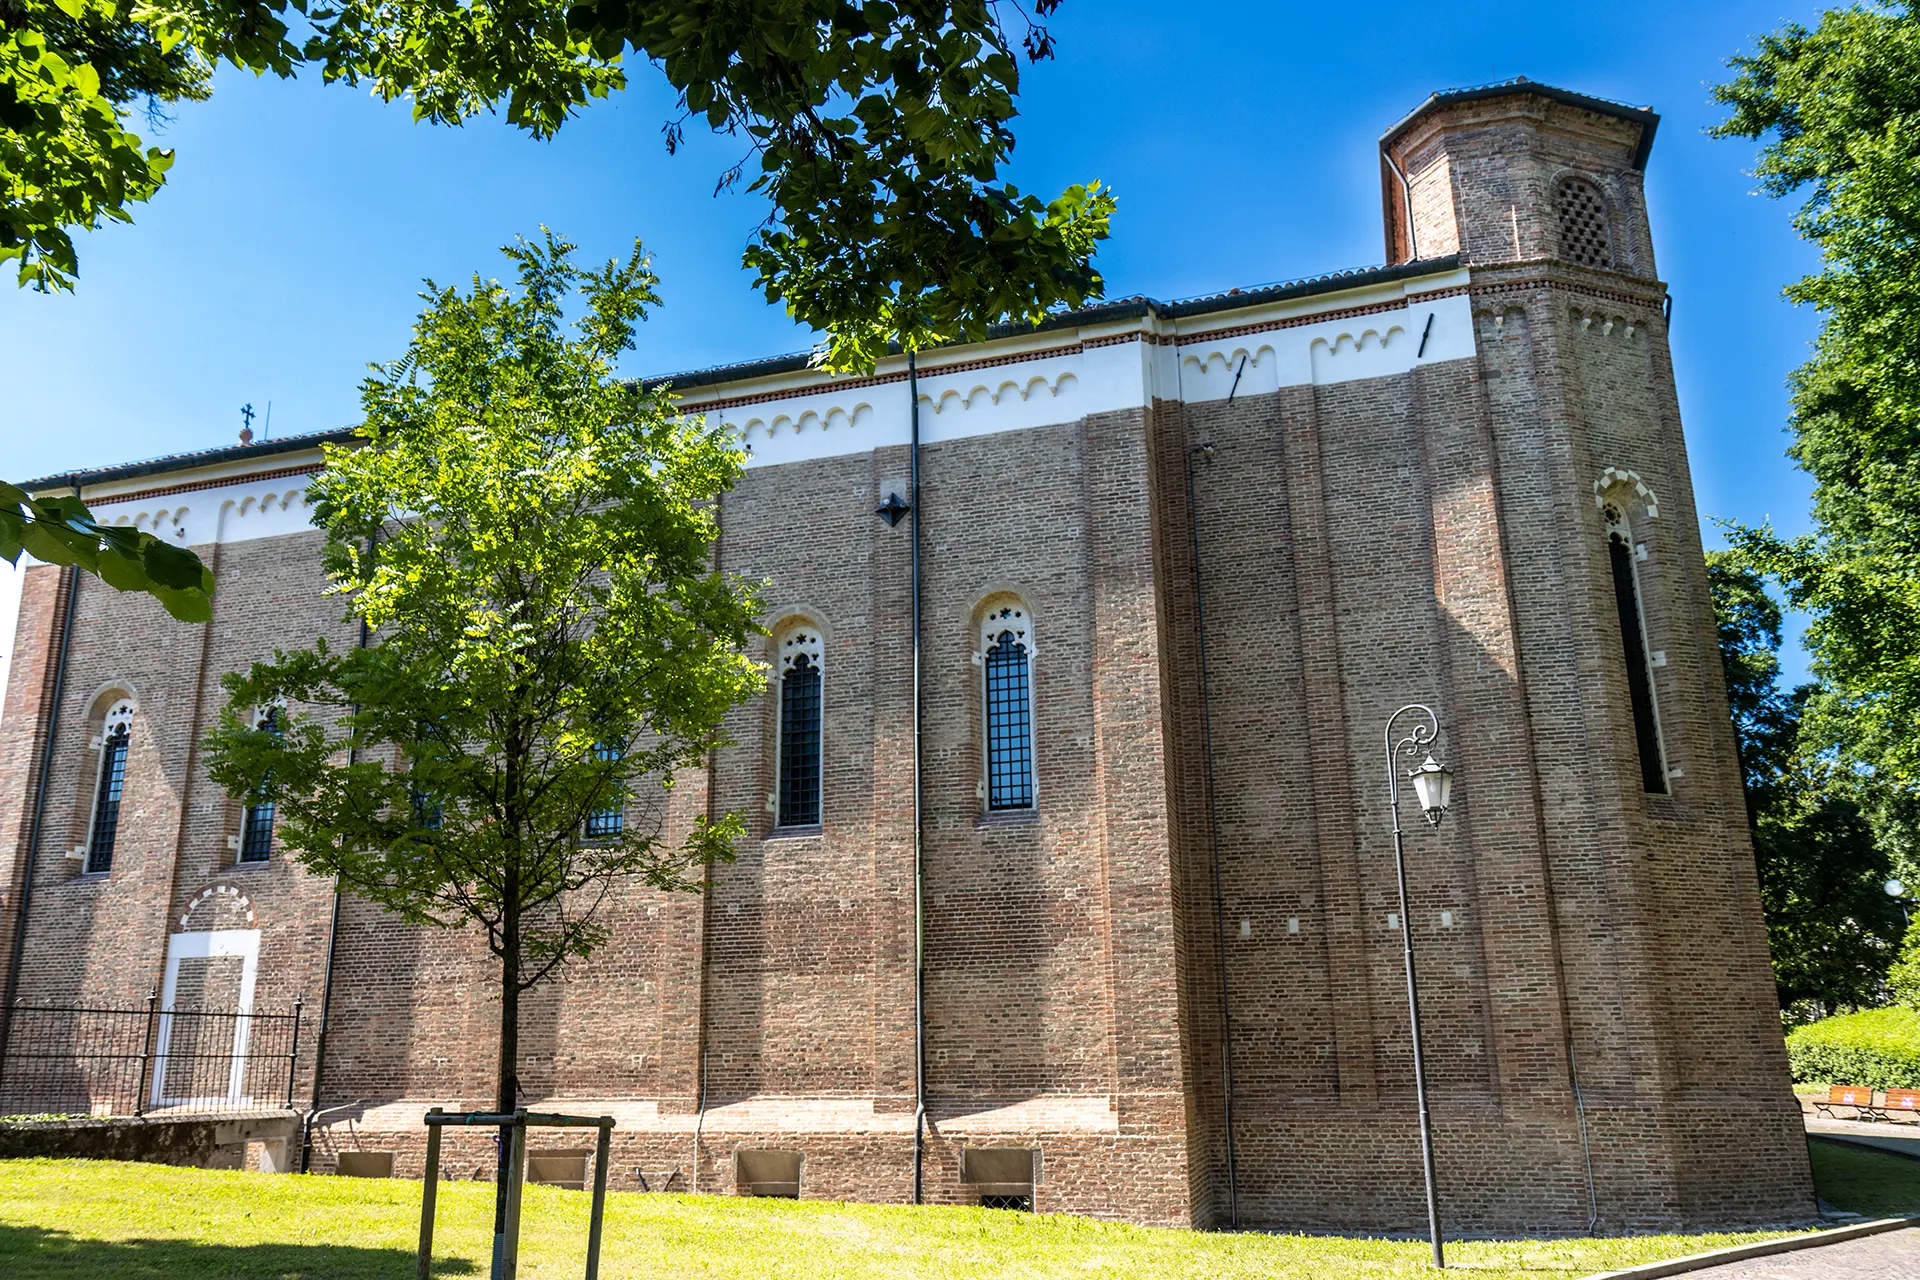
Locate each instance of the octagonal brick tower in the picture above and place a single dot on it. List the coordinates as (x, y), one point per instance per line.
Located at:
(1626, 1008)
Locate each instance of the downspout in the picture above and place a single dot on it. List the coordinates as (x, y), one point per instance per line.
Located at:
(706, 885)
(1413, 243)
(1213, 834)
(919, 879)
(326, 980)
(1586, 1149)
(699, 1119)
(40, 800)
(320, 1036)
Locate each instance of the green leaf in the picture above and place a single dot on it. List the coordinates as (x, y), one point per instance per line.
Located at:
(57, 545)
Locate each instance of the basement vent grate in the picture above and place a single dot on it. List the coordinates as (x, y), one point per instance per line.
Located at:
(767, 1173)
(1020, 1204)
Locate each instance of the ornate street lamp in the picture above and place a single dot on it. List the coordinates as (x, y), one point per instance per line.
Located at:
(1897, 890)
(1433, 786)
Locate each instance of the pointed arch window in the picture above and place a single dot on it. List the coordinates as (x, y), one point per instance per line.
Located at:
(1623, 557)
(427, 812)
(1006, 662)
(256, 824)
(103, 830)
(601, 824)
(425, 803)
(797, 797)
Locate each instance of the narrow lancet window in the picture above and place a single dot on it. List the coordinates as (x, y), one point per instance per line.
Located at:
(116, 735)
(1006, 660)
(602, 824)
(1633, 641)
(798, 803)
(427, 813)
(256, 826)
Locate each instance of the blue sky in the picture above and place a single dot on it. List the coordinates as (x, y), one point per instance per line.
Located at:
(287, 248)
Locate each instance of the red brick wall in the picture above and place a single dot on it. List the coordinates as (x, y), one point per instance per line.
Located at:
(1430, 536)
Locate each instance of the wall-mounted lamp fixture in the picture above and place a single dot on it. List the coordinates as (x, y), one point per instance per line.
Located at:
(891, 510)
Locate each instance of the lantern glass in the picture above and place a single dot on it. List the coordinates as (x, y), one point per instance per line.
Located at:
(1895, 888)
(1433, 784)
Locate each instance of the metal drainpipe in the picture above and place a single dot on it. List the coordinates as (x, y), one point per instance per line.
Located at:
(40, 801)
(320, 1036)
(699, 1119)
(703, 1050)
(1586, 1149)
(1213, 836)
(1413, 243)
(326, 981)
(919, 913)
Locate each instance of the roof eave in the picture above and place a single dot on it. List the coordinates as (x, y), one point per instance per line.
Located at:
(1121, 309)
(190, 461)
(1646, 117)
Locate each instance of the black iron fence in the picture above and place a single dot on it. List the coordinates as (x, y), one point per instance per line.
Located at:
(76, 1060)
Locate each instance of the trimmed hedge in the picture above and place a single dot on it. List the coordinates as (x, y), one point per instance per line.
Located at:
(1875, 1048)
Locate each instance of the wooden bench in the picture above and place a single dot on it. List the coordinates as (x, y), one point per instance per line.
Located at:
(1845, 1095)
(1867, 1104)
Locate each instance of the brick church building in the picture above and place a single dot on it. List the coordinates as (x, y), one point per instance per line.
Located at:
(1163, 976)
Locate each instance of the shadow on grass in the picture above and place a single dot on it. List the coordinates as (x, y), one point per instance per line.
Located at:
(1879, 1184)
(36, 1253)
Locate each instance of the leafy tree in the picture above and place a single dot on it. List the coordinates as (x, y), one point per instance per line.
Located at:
(71, 71)
(60, 530)
(1765, 719)
(1820, 857)
(1838, 107)
(527, 542)
(1831, 928)
(1903, 979)
(877, 130)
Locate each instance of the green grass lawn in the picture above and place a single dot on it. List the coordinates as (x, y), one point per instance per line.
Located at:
(71, 1219)
(1876, 1183)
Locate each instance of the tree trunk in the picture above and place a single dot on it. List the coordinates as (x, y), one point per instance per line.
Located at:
(509, 1094)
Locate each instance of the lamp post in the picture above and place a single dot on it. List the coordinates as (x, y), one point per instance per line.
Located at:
(1433, 786)
(1897, 890)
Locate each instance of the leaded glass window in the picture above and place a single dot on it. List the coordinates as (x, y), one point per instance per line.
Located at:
(1007, 663)
(798, 797)
(604, 824)
(106, 796)
(256, 826)
(800, 744)
(427, 812)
